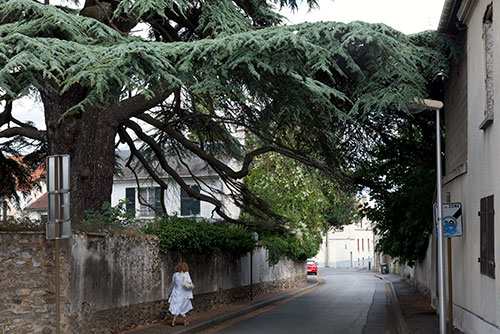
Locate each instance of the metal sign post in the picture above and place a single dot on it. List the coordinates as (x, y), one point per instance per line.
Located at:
(59, 224)
(452, 227)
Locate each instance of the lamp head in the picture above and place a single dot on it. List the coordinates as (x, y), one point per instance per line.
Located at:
(425, 104)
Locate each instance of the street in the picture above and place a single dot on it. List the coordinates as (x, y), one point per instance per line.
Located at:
(350, 301)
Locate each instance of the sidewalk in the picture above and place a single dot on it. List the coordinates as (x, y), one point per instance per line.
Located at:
(415, 310)
(205, 320)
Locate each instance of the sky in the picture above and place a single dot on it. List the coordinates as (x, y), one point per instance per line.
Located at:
(407, 16)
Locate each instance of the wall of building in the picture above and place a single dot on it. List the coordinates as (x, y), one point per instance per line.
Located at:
(472, 162)
(341, 250)
(476, 295)
(114, 283)
(172, 195)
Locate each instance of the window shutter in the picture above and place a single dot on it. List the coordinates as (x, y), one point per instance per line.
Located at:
(185, 205)
(195, 203)
(130, 196)
(490, 222)
(487, 234)
(157, 204)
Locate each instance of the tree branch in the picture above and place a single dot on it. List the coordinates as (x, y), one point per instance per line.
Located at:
(210, 159)
(138, 104)
(29, 132)
(177, 178)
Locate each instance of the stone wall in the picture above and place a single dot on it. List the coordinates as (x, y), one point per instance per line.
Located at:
(27, 283)
(114, 283)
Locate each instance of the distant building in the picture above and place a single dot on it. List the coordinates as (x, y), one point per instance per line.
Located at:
(348, 247)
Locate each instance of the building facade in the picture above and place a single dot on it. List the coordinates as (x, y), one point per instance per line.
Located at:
(348, 247)
(143, 195)
(471, 176)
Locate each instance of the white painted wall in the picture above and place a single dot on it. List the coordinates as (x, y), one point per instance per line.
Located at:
(173, 195)
(476, 297)
(341, 250)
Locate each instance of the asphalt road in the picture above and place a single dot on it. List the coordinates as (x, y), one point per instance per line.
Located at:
(350, 301)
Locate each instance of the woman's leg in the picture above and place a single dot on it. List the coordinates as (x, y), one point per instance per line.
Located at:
(174, 320)
(186, 321)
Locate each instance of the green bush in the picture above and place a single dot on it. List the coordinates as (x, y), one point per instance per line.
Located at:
(189, 235)
(290, 246)
(109, 218)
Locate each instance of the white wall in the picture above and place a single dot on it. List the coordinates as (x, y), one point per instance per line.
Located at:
(476, 297)
(342, 246)
(172, 195)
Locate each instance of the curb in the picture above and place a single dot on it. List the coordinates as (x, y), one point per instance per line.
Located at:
(217, 320)
(400, 320)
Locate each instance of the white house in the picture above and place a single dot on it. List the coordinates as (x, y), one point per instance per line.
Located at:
(143, 194)
(348, 247)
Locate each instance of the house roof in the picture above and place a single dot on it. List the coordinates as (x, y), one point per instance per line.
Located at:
(448, 22)
(40, 204)
(192, 165)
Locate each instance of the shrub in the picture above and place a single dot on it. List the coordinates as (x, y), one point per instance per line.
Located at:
(189, 235)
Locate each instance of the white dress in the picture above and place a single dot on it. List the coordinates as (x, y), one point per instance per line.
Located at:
(180, 297)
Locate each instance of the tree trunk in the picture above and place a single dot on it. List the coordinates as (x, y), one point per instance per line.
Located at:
(89, 139)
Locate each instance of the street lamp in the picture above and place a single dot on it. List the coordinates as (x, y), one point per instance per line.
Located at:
(437, 105)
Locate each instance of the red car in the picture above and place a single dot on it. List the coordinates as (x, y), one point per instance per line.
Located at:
(312, 267)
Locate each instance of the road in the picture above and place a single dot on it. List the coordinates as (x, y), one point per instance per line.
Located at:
(350, 301)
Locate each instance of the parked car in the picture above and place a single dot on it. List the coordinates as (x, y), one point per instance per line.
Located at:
(312, 267)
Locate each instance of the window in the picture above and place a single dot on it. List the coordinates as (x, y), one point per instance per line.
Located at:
(190, 206)
(358, 245)
(368, 244)
(130, 196)
(150, 201)
(487, 220)
(363, 244)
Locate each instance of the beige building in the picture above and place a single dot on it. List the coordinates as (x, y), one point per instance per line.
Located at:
(347, 247)
(471, 174)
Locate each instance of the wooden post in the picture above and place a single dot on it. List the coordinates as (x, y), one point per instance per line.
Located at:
(57, 235)
(450, 289)
(450, 280)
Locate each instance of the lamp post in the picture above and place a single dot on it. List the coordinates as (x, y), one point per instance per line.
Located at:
(437, 106)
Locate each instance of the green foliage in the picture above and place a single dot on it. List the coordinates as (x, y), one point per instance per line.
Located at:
(321, 93)
(401, 178)
(19, 175)
(189, 235)
(109, 218)
(290, 246)
(310, 202)
(21, 223)
(291, 189)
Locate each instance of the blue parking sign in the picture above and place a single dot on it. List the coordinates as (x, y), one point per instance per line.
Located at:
(452, 220)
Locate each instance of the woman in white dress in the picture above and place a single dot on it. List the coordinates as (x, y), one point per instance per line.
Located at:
(180, 296)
